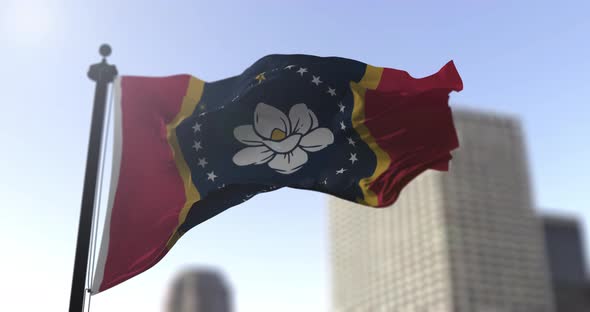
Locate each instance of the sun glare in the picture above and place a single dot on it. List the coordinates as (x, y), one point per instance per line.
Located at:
(30, 22)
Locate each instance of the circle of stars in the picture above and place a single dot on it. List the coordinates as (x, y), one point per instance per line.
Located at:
(198, 147)
(303, 72)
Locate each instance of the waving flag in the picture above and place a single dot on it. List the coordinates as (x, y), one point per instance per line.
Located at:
(186, 150)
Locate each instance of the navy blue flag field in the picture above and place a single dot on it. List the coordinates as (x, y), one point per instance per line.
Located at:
(186, 150)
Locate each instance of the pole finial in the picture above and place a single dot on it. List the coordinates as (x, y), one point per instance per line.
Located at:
(103, 71)
(105, 50)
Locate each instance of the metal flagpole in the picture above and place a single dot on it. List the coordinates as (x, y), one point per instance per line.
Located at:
(103, 74)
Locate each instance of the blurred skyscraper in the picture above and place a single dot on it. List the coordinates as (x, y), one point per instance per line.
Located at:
(567, 265)
(467, 240)
(199, 290)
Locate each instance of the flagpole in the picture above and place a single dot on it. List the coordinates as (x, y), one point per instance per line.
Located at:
(103, 74)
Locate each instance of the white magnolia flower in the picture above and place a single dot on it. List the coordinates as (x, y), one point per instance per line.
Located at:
(281, 141)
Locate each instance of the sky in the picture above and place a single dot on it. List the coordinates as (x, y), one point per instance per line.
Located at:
(527, 58)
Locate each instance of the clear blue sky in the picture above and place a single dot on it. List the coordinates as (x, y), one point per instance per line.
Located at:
(526, 58)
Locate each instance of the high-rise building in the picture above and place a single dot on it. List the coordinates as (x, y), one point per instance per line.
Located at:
(467, 240)
(571, 286)
(199, 290)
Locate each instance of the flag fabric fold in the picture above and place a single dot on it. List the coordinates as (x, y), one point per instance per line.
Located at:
(185, 150)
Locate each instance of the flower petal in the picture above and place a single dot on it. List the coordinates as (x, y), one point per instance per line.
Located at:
(302, 119)
(268, 118)
(284, 146)
(247, 135)
(317, 140)
(253, 155)
(290, 162)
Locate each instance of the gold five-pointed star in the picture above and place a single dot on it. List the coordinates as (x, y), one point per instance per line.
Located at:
(260, 77)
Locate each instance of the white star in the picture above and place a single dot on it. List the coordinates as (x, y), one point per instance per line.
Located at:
(211, 176)
(197, 146)
(302, 70)
(325, 181)
(351, 142)
(316, 80)
(197, 127)
(202, 162)
(289, 67)
(353, 157)
(341, 171)
(332, 91)
(341, 107)
(342, 126)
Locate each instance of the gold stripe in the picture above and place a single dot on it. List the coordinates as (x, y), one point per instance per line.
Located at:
(189, 103)
(371, 77)
(370, 81)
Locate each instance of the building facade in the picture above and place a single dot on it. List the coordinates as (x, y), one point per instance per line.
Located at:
(199, 290)
(467, 240)
(569, 279)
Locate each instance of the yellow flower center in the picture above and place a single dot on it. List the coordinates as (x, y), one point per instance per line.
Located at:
(277, 135)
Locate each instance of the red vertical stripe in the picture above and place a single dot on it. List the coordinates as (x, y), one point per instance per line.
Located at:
(150, 192)
(411, 121)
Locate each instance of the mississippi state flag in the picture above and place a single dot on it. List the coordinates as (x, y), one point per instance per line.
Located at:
(186, 150)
